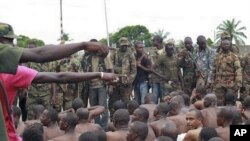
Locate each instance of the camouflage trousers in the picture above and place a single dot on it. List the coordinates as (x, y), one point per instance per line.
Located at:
(170, 87)
(245, 91)
(189, 81)
(34, 100)
(220, 94)
(120, 92)
(63, 101)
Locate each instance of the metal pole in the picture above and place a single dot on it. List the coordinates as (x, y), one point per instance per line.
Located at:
(106, 20)
(61, 20)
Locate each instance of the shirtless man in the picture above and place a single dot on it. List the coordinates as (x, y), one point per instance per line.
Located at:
(177, 117)
(88, 136)
(142, 114)
(131, 106)
(49, 120)
(209, 112)
(19, 124)
(160, 112)
(224, 120)
(196, 99)
(36, 114)
(120, 121)
(68, 123)
(170, 130)
(246, 108)
(208, 133)
(138, 131)
(194, 124)
(83, 122)
(150, 105)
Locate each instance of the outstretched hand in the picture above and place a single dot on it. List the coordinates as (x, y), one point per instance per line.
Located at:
(110, 77)
(99, 49)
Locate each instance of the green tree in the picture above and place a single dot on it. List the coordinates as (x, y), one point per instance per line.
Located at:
(65, 37)
(234, 28)
(133, 33)
(161, 33)
(23, 41)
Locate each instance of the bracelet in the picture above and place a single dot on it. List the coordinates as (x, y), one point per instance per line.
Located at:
(101, 74)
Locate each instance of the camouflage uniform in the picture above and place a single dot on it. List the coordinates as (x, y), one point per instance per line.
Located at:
(204, 64)
(72, 88)
(124, 63)
(60, 89)
(157, 87)
(188, 66)
(39, 93)
(226, 74)
(169, 66)
(245, 63)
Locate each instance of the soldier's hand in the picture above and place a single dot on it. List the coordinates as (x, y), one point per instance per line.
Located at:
(99, 49)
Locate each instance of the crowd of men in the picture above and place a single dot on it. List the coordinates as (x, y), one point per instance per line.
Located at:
(126, 93)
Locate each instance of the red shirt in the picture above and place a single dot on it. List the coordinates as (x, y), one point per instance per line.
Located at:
(22, 79)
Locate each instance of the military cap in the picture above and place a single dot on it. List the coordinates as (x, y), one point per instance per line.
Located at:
(124, 41)
(7, 31)
(170, 41)
(225, 35)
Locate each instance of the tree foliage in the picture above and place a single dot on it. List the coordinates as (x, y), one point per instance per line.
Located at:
(234, 28)
(23, 41)
(133, 33)
(162, 34)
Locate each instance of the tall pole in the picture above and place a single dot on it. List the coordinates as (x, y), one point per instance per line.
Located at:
(61, 20)
(106, 20)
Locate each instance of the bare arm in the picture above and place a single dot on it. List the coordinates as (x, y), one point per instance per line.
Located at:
(95, 111)
(55, 52)
(70, 77)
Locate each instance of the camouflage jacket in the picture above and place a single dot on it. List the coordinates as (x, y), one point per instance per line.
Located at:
(245, 64)
(40, 89)
(186, 61)
(227, 70)
(125, 63)
(204, 63)
(61, 66)
(155, 54)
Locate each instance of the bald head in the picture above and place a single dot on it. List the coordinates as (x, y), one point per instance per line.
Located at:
(82, 113)
(210, 100)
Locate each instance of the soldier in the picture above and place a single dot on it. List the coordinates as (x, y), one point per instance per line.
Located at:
(97, 87)
(143, 64)
(227, 73)
(38, 93)
(245, 63)
(187, 63)
(124, 64)
(169, 66)
(59, 101)
(154, 80)
(204, 58)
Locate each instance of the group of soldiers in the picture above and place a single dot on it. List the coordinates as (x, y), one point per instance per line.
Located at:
(162, 69)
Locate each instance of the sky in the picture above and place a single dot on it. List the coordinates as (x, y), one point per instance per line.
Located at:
(85, 19)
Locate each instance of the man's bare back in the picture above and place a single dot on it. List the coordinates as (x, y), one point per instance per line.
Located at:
(224, 133)
(192, 135)
(210, 117)
(150, 108)
(120, 135)
(67, 137)
(52, 132)
(180, 122)
(157, 125)
(87, 127)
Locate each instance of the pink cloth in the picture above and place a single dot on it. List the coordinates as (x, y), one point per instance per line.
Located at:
(22, 79)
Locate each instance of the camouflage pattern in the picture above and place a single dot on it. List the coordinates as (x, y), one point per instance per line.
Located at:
(245, 64)
(169, 66)
(39, 93)
(61, 89)
(7, 31)
(226, 74)
(204, 64)
(154, 56)
(124, 41)
(187, 63)
(125, 64)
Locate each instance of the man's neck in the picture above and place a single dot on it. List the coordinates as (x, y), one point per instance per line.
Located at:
(70, 131)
